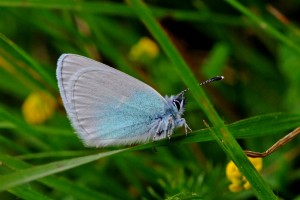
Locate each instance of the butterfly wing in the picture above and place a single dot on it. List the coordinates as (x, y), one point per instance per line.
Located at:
(106, 106)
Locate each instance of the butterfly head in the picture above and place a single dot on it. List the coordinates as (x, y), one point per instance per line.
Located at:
(177, 102)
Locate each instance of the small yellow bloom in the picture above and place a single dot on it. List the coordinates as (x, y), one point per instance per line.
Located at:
(247, 185)
(238, 181)
(235, 187)
(38, 107)
(144, 49)
(232, 172)
(257, 162)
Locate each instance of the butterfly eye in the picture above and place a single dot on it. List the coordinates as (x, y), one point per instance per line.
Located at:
(176, 103)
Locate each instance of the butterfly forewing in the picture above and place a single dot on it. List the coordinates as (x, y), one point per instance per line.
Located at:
(67, 66)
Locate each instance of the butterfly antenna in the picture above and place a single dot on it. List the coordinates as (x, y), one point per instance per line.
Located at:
(216, 78)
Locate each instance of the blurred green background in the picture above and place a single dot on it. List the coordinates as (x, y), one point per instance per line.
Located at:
(254, 44)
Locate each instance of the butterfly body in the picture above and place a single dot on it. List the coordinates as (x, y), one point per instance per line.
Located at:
(108, 107)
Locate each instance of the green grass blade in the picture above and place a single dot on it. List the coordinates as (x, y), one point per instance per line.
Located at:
(25, 130)
(60, 184)
(258, 126)
(27, 175)
(24, 192)
(221, 133)
(31, 62)
(264, 25)
(110, 8)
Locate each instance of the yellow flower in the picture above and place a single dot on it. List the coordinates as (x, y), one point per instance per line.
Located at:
(238, 181)
(38, 107)
(235, 186)
(144, 49)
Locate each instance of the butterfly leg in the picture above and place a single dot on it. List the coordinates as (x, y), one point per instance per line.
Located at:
(170, 127)
(165, 128)
(187, 128)
(158, 130)
(181, 122)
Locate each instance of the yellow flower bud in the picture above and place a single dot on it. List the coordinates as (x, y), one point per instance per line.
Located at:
(38, 107)
(144, 49)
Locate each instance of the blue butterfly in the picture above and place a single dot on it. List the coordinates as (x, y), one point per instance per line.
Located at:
(107, 107)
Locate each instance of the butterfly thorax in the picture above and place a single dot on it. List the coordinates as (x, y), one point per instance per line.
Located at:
(171, 118)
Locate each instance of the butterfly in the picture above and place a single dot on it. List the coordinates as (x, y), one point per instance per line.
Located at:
(107, 107)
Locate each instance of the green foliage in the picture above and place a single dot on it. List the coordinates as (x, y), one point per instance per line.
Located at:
(257, 103)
